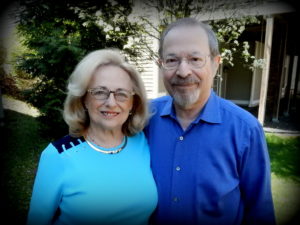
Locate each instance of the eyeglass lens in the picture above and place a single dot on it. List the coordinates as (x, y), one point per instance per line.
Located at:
(104, 93)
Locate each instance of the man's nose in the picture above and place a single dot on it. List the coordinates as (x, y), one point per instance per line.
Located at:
(184, 69)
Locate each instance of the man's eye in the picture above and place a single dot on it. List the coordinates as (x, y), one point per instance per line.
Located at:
(171, 60)
(196, 59)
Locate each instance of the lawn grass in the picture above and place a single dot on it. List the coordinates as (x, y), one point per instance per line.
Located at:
(284, 154)
(21, 146)
(286, 197)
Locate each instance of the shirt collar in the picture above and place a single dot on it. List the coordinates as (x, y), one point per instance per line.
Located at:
(210, 112)
(168, 109)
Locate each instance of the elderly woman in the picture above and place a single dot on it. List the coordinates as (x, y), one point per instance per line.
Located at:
(99, 173)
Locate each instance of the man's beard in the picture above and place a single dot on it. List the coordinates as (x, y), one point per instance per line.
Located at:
(188, 98)
(185, 100)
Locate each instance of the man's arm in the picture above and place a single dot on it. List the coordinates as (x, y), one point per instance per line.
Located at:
(255, 180)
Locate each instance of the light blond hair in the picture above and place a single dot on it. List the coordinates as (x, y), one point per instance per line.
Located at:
(74, 112)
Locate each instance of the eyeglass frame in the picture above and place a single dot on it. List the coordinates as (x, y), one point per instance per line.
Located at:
(187, 59)
(108, 91)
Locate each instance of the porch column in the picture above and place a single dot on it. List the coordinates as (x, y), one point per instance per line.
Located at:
(266, 69)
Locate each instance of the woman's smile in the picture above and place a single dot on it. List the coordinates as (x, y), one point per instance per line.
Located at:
(109, 114)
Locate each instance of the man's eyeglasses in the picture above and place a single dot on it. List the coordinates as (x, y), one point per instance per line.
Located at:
(170, 62)
(103, 93)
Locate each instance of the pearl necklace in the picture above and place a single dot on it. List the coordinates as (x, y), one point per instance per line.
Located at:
(105, 151)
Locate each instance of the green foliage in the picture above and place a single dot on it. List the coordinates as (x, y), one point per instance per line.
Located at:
(57, 35)
(2, 61)
(7, 83)
(228, 30)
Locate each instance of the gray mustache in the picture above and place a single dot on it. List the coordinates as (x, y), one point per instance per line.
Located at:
(184, 81)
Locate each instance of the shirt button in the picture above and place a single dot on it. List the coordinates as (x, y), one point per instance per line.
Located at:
(175, 199)
(181, 138)
(178, 168)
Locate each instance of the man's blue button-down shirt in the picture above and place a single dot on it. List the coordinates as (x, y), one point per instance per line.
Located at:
(217, 171)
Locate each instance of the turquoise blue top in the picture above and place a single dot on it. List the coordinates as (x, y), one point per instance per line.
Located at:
(76, 184)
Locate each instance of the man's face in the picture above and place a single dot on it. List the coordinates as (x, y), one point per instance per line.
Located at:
(189, 85)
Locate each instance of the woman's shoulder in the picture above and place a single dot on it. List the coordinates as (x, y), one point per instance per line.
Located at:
(138, 135)
(139, 139)
(67, 142)
(138, 143)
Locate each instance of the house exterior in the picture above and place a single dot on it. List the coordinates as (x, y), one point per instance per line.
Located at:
(270, 92)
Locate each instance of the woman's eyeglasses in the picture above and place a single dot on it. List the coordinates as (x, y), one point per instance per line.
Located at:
(103, 93)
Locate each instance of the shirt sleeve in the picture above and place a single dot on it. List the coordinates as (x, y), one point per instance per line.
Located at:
(46, 194)
(256, 179)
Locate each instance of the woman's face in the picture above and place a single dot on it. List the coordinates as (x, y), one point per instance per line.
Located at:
(111, 113)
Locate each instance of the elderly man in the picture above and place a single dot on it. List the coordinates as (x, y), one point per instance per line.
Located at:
(209, 156)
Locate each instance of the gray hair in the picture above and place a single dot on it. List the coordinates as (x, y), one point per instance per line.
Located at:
(212, 39)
